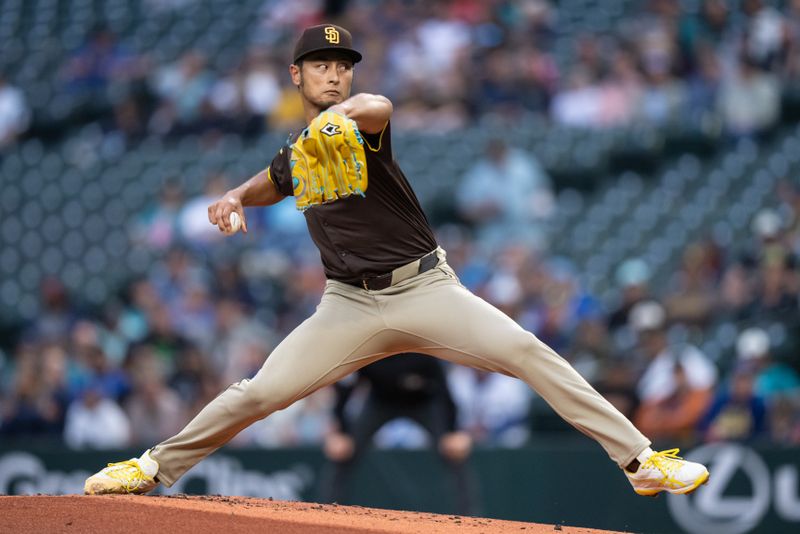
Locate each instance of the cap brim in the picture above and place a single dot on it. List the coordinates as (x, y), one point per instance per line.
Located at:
(354, 55)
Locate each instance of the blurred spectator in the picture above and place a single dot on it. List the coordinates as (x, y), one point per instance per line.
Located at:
(693, 298)
(749, 101)
(260, 86)
(447, 63)
(230, 282)
(127, 124)
(184, 87)
(287, 114)
(765, 33)
(194, 380)
(590, 351)
(776, 287)
(194, 315)
(632, 278)
(162, 337)
(193, 219)
(56, 316)
(792, 64)
(94, 421)
(247, 94)
(703, 87)
(563, 307)
(677, 385)
(301, 294)
(784, 421)
(621, 92)
(664, 97)
(241, 344)
(737, 413)
(736, 291)
(618, 385)
(767, 228)
(590, 56)
(773, 273)
(139, 300)
(579, 103)
(171, 278)
(155, 411)
(674, 416)
(506, 195)
(443, 38)
(101, 61)
(157, 226)
(95, 367)
(492, 407)
(38, 396)
(503, 289)
(789, 196)
(499, 89)
(654, 32)
(700, 35)
(771, 379)
(14, 113)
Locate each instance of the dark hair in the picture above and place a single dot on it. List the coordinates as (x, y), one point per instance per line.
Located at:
(324, 55)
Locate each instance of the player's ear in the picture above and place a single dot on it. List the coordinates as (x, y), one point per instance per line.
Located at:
(296, 72)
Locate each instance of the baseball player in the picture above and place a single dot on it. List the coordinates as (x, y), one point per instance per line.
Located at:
(389, 290)
(412, 386)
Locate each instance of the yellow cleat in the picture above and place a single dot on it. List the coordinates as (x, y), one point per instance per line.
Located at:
(666, 471)
(136, 475)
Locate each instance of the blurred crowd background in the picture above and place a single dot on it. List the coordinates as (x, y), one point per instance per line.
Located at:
(620, 177)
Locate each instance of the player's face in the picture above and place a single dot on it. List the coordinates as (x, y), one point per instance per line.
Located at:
(324, 80)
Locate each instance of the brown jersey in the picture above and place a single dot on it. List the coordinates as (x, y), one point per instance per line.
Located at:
(363, 236)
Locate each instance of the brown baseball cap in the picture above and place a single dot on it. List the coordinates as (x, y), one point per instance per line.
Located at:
(325, 37)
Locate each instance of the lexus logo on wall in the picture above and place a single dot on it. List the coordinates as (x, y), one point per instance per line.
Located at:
(711, 510)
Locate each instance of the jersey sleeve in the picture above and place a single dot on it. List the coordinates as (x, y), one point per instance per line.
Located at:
(380, 143)
(280, 172)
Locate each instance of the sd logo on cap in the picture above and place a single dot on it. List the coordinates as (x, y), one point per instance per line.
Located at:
(332, 35)
(325, 37)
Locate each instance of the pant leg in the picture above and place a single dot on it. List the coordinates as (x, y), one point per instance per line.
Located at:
(345, 333)
(449, 322)
(336, 479)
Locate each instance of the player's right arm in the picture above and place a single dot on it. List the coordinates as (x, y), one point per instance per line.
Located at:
(261, 190)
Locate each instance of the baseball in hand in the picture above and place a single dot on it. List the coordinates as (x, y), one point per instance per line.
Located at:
(236, 223)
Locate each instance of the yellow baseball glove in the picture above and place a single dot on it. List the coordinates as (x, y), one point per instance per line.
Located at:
(328, 161)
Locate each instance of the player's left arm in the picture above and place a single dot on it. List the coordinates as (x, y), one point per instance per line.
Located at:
(371, 112)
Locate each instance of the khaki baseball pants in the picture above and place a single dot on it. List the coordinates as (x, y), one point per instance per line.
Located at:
(430, 313)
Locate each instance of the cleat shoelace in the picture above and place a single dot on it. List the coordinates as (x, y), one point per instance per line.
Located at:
(128, 473)
(667, 462)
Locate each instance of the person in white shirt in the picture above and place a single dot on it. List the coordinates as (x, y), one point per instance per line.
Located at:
(678, 384)
(14, 112)
(96, 422)
(658, 381)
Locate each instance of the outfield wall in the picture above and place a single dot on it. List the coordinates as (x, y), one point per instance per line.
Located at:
(752, 489)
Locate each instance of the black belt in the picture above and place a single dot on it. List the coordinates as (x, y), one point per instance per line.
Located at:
(382, 281)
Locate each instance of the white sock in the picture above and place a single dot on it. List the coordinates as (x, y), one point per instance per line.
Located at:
(148, 465)
(644, 455)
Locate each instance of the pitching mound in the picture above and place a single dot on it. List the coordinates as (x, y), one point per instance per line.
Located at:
(233, 515)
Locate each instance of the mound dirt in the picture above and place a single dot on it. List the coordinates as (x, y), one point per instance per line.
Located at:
(233, 515)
